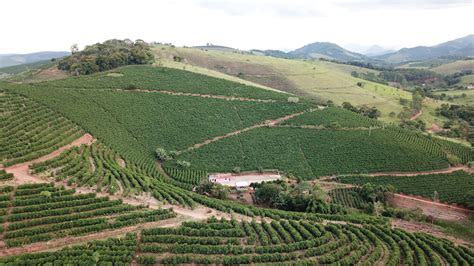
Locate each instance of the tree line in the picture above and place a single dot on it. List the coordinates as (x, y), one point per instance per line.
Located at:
(105, 56)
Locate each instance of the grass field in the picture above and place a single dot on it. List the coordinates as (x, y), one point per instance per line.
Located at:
(453, 67)
(318, 80)
(458, 96)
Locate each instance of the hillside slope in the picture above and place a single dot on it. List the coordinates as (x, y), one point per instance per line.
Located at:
(458, 48)
(18, 59)
(318, 80)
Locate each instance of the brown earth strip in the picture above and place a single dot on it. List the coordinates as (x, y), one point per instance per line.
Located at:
(264, 124)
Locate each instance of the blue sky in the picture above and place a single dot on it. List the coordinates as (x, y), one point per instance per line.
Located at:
(29, 25)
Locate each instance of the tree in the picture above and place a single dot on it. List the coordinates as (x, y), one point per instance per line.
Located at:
(162, 154)
(74, 48)
(266, 193)
(417, 100)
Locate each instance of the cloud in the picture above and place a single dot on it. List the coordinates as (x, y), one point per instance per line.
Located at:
(401, 4)
(279, 8)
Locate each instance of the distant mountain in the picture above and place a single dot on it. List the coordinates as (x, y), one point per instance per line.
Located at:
(316, 50)
(376, 50)
(19, 59)
(326, 50)
(458, 48)
(217, 48)
(274, 53)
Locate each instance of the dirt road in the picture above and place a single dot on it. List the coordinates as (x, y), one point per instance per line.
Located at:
(263, 124)
(22, 173)
(415, 116)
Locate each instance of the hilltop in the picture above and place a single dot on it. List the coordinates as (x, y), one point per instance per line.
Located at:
(458, 48)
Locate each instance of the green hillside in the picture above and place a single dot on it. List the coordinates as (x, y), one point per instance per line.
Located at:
(137, 120)
(215, 125)
(453, 67)
(317, 80)
(446, 186)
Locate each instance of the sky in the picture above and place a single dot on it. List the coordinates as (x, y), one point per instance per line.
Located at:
(54, 25)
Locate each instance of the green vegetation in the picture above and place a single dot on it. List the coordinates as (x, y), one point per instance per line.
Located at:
(315, 79)
(349, 197)
(19, 72)
(95, 165)
(461, 97)
(29, 130)
(309, 153)
(156, 119)
(303, 197)
(450, 188)
(108, 55)
(5, 176)
(333, 117)
(113, 251)
(163, 79)
(231, 242)
(453, 67)
(40, 212)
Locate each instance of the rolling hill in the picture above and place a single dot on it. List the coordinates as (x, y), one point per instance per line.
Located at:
(458, 48)
(326, 50)
(109, 200)
(19, 59)
(317, 80)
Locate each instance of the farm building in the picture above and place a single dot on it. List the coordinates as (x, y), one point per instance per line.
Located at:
(243, 180)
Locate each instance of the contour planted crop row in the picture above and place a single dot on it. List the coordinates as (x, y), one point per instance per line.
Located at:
(348, 197)
(114, 251)
(310, 153)
(450, 188)
(98, 166)
(333, 117)
(288, 241)
(5, 176)
(160, 78)
(156, 120)
(29, 130)
(41, 212)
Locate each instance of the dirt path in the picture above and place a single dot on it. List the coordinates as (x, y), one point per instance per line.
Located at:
(417, 227)
(435, 209)
(415, 116)
(22, 173)
(264, 124)
(67, 241)
(220, 97)
(441, 171)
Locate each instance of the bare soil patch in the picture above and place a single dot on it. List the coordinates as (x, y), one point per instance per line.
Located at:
(51, 73)
(415, 116)
(441, 171)
(431, 208)
(417, 227)
(22, 172)
(67, 241)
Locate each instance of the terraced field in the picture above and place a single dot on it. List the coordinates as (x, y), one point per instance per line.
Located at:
(41, 212)
(270, 243)
(216, 126)
(29, 129)
(450, 188)
(317, 80)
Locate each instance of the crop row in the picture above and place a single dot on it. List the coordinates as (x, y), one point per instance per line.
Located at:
(29, 130)
(451, 188)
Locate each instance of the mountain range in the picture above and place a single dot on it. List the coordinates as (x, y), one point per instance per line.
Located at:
(19, 59)
(454, 49)
(458, 48)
